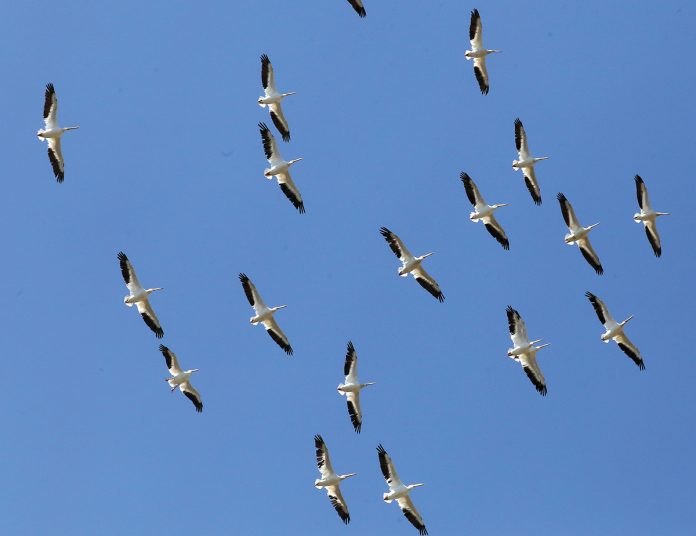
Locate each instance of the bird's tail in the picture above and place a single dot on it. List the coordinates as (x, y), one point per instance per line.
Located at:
(386, 498)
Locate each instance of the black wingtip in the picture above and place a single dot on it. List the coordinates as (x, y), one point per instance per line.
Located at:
(122, 256)
(380, 449)
(163, 348)
(243, 277)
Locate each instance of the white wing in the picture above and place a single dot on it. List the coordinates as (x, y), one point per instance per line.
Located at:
(277, 335)
(353, 402)
(150, 318)
(128, 273)
(409, 510)
(569, 216)
(171, 360)
(270, 147)
(388, 469)
(396, 245)
(532, 185)
(427, 281)
(193, 395)
(50, 108)
(496, 231)
(653, 237)
(476, 31)
(252, 294)
(601, 309)
(630, 350)
(642, 194)
(590, 255)
(279, 120)
(291, 191)
(481, 74)
(55, 155)
(338, 502)
(533, 372)
(323, 459)
(267, 77)
(350, 367)
(517, 328)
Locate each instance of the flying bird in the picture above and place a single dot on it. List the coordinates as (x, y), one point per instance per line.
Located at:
(138, 295)
(351, 387)
(399, 492)
(330, 481)
(180, 378)
(526, 162)
(280, 168)
(264, 314)
(477, 52)
(411, 264)
(358, 7)
(578, 234)
(648, 216)
(614, 330)
(272, 98)
(52, 133)
(483, 211)
(524, 350)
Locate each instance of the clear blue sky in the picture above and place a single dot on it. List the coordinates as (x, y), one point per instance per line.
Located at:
(168, 167)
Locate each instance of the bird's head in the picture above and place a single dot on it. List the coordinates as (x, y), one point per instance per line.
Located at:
(291, 162)
(279, 307)
(343, 477)
(414, 486)
(151, 290)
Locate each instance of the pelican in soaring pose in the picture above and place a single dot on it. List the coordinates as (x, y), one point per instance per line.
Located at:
(524, 350)
(614, 330)
(264, 314)
(412, 265)
(483, 211)
(358, 7)
(578, 234)
(273, 97)
(398, 491)
(52, 133)
(330, 481)
(280, 168)
(180, 378)
(351, 387)
(648, 216)
(139, 296)
(526, 162)
(477, 52)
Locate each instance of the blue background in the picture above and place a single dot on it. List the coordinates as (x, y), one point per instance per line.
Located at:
(167, 166)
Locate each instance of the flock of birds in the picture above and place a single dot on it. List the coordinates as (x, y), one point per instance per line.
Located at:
(523, 350)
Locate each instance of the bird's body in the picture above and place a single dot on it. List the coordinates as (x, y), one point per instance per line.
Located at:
(280, 168)
(412, 265)
(264, 314)
(330, 480)
(613, 330)
(648, 216)
(399, 492)
(53, 132)
(180, 378)
(139, 296)
(484, 212)
(351, 387)
(358, 7)
(524, 350)
(478, 52)
(272, 98)
(526, 162)
(577, 234)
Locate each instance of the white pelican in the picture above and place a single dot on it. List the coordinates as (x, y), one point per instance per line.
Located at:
(280, 168)
(411, 264)
(330, 481)
(477, 52)
(483, 211)
(578, 234)
(399, 492)
(524, 351)
(351, 387)
(358, 7)
(138, 295)
(53, 132)
(272, 98)
(180, 378)
(614, 330)
(264, 314)
(526, 162)
(647, 215)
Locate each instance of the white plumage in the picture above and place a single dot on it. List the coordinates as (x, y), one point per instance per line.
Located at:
(478, 53)
(52, 132)
(524, 350)
(139, 296)
(351, 387)
(264, 314)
